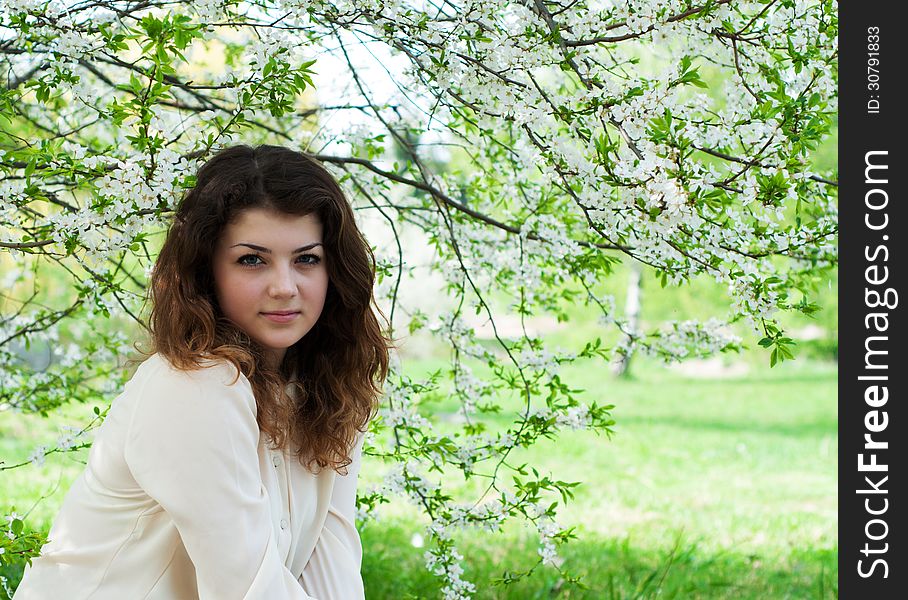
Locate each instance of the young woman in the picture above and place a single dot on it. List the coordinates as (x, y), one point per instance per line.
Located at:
(227, 467)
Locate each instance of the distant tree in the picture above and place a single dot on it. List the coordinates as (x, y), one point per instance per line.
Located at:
(536, 143)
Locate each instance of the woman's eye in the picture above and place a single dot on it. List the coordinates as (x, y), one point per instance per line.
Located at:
(249, 260)
(308, 259)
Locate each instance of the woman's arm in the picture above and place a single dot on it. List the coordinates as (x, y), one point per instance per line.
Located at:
(333, 571)
(192, 445)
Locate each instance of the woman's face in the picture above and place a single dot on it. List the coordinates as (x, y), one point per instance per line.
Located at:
(270, 276)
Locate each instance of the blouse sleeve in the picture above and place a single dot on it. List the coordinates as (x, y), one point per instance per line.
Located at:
(333, 571)
(192, 446)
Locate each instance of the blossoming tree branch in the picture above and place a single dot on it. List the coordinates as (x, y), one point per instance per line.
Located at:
(534, 144)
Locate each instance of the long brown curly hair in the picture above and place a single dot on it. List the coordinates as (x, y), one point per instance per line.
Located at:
(338, 367)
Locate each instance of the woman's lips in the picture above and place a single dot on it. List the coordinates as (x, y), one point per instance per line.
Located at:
(282, 316)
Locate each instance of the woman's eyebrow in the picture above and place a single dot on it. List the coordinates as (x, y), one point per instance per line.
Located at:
(264, 250)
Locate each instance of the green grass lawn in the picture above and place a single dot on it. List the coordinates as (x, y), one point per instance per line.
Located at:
(710, 488)
(722, 488)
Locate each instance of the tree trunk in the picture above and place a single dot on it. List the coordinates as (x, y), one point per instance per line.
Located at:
(632, 312)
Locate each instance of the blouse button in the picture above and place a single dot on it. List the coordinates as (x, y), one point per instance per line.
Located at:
(284, 523)
(276, 460)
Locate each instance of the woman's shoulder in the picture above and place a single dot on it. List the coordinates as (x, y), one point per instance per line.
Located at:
(211, 371)
(215, 392)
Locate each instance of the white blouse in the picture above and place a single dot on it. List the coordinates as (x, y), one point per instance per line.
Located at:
(183, 499)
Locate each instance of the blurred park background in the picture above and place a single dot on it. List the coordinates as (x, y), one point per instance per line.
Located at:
(719, 480)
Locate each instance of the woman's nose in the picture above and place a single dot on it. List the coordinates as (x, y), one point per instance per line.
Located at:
(282, 284)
